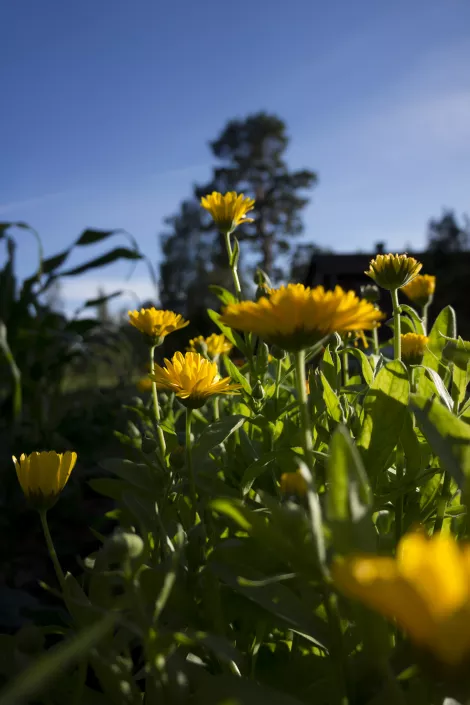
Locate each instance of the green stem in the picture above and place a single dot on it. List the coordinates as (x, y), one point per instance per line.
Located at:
(375, 340)
(424, 317)
(17, 401)
(399, 505)
(233, 266)
(345, 367)
(278, 382)
(51, 549)
(339, 656)
(189, 466)
(396, 325)
(156, 407)
(307, 442)
(216, 408)
(445, 491)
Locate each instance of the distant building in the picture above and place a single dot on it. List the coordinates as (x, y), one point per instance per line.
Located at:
(452, 270)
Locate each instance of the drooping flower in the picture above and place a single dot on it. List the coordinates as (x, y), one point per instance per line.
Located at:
(192, 378)
(421, 289)
(413, 347)
(292, 483)
(295, 317)
(426, 588)
(156, 324)
(393, 271)
(212, 346)
(229, 210)
(43, 475)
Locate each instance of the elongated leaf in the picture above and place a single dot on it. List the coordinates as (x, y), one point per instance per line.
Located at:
(448, 436)
(54, 262)
(366, 364)
(232, 335)
(111, 256)
(92, 235)
(236, 375)
(225, 296)
(439, 386)
(331, 400)
(415, 319)
(444, 325)
(136, 474)
(90, 303)
(385, 406)
(215, 434)
(331, 367)
(34, 679)
(416, 453)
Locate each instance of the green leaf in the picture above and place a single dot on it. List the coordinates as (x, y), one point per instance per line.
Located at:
(349, 497)
(215, 434)
(90, 236)
(90, 303)
(32, 681)
(385, 406)
(415, 319)
(366, 364)
(232, 335)
(416, 453)
(330, 366)
(109, 488)
(108, 258)
(331, 400)
(444, 325)
(236, 375)
(225, 296)
(439, 387)
(448, 436)
(256, 468)
(136, 474)
(52, 263)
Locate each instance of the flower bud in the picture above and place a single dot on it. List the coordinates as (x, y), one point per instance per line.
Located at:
(258, 392)
(277, 352)
(392, 272)
(122, 545)
(371, 293)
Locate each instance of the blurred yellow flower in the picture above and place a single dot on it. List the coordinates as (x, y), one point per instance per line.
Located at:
(295, 317)
(43, 475)
(420, 291)
(156, 324)
(213, 346)
(144, 384)
(293, 483)
(426, 588)
(393, 271)
(229, 210)
(413, 347)
(192, 378)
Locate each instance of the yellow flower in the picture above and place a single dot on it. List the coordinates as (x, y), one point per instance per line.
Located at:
(293, 483)
(393, 271)
(228, 211)
(192, 378)
(144, 384)
(213, 346)
(156, 324)
(295, 317)
(426, 588)
(420, 291)
(43, 475)
(413, 347)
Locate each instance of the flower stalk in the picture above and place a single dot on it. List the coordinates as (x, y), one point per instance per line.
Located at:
(156, 406)
(189, 465)
(396, 325)
(233, 256)
(52, 552)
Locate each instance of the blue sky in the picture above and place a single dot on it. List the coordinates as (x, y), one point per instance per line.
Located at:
(108, 107)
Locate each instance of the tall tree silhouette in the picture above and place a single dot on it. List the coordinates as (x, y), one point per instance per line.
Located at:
(446, 235)
(251, 159)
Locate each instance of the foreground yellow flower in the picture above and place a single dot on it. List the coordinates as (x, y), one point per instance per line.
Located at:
(393, 271)
(213, 346)
(413, 347)
(229, 210)
(43, 475)
(156, 324)
(426, 588)
(295, 317)
(192, 378)
(421, 290)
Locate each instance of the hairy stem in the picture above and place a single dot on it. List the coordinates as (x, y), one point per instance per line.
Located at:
(396, 325)
(156, 407)
(52, 552)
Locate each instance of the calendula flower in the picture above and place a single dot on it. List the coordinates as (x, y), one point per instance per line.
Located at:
(212, 347)
(393, 271)
(192, 378)
(413, 347)
(43, 476)
(292, 483)
(229, 210)
(295, 317)
(426, 588)
(144, 384)
(156, 324)
(421, 290)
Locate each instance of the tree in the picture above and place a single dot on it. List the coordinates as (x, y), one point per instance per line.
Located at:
(446, 235)
(251, 160)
